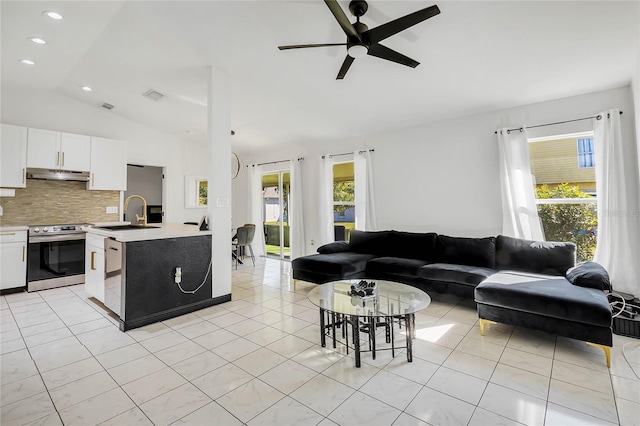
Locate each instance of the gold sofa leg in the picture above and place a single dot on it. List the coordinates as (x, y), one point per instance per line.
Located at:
(484, 322)
(606, 349)
(294, 283)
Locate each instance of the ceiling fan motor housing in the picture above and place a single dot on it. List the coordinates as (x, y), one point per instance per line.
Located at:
(358, 7)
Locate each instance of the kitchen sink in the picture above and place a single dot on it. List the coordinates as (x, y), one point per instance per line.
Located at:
(126, 227)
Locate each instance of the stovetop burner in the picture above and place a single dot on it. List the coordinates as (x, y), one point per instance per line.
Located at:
(56, 229)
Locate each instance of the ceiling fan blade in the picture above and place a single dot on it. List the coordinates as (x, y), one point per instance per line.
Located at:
(342, 19)
(345, 67)
(383, 52)
(384, 31)
(304, 46)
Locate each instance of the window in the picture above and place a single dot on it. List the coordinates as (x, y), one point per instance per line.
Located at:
(565, 190)
(344, 200)
(585, 153)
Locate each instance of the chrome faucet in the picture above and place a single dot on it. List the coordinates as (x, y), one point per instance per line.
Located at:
(143, 218)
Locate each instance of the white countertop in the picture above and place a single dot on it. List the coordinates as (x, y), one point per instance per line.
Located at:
(13, 228)
(164, 230)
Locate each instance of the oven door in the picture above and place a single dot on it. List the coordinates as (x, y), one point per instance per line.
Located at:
(55, 261)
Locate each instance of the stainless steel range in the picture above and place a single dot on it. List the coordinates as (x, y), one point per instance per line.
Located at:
(55, 256)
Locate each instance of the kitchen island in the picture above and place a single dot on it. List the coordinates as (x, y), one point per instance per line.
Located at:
(150, 274)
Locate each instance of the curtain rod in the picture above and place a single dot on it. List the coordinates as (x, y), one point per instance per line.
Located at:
(347, 153)
(598, 117)
(274, 162)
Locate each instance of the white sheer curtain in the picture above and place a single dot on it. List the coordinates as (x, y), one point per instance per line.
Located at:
(618, 198)
(255, 208)
(519, 212)
(325, 201)
(365, 205)
(296, 217)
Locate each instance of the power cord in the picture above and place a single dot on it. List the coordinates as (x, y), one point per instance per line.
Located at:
(627, 359)
(621, 306)
(615, 304)
(179, 279)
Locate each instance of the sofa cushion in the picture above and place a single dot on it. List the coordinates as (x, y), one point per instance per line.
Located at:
(547, 295)
(338, 264)
(543, 257)
(460, 274)
(589, 274)
(369, 242)
(466, 251)
(411, 245)
(334, 247)
(388, 267)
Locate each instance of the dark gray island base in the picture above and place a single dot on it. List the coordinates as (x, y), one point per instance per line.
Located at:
(149, 291)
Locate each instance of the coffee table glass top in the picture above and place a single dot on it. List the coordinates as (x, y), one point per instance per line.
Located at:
(390, 299)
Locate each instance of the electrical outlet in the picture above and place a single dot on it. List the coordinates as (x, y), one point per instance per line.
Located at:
(112, 209)
(222, 202)
(312, 242)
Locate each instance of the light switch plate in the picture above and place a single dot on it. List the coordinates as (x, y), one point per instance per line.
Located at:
(222, 202)
(112, 209)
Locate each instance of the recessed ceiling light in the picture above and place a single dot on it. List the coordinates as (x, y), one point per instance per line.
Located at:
(27, 62)
(52, 15)
(189, 132)
(37, 40)
(86, 88)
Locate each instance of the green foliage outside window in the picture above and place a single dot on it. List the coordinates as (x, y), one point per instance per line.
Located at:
(343, 191)
(569, 222)
(203, 188)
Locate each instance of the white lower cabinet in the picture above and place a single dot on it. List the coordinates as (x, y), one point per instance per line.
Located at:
(13, 259)
(94, 266)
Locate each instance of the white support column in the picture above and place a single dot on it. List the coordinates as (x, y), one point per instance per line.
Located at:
(219, 197)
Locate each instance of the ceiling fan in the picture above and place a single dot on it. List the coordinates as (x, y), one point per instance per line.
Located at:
(363, 41)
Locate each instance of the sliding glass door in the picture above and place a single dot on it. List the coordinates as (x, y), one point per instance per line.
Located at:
(276, 188)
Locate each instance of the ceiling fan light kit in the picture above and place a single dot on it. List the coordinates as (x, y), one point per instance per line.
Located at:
(362, 41)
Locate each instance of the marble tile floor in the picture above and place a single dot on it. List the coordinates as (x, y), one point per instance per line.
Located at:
(257, 361)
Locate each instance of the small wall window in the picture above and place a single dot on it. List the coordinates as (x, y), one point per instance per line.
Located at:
(585, 153)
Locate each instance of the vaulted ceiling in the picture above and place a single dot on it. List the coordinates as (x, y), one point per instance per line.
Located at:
(475, 56)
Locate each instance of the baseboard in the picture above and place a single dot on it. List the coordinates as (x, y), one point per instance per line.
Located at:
(172, 313)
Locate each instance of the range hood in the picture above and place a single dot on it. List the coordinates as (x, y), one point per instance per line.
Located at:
(46, 174)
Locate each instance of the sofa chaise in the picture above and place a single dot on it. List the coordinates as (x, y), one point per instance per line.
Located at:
(519, 282)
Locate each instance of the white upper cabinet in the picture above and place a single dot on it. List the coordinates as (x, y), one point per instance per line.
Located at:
(13, 156)
(47, 149)
(75, 152)
(108, 165)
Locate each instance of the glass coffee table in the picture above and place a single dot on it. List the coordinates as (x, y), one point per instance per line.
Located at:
(392, 303)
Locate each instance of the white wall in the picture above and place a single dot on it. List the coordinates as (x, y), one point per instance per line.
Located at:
(145, 145)
(442, 176)
(635, 87)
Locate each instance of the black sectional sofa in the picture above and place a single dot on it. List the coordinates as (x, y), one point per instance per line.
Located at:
(525, 283)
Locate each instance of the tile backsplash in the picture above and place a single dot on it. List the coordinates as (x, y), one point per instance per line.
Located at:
(57, 202)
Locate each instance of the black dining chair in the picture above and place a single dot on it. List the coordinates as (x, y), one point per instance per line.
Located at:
(244, 238)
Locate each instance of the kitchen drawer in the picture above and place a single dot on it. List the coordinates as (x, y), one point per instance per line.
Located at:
(13, 237)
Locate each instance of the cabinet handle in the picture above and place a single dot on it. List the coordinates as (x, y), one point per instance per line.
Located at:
(93, 260)
(24, 172)
(92, 179)
(62, 159)
(58, 159)
(23, 249)
(6, 234)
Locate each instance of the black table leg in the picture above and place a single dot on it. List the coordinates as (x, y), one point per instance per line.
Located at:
(322, 329)
(393, 344)
(372, 332)
(333, 328)
(409, 333)
(355, 327)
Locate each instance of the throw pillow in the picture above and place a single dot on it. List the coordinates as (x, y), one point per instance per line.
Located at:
(335, 247)
(589, 274)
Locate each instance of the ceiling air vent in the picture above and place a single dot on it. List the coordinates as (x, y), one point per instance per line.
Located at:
(107, 106)
(153, 95)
